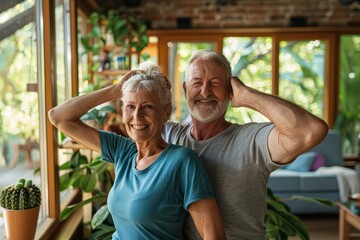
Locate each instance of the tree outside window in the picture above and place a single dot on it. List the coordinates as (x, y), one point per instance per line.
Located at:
(348, 119)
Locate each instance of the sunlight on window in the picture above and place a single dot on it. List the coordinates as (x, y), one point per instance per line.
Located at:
(250, 59)
(301, 73)
(348, 119)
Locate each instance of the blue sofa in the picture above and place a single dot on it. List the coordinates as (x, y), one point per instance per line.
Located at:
(298, 178)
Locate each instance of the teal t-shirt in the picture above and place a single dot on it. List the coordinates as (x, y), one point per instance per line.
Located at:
(152, 203)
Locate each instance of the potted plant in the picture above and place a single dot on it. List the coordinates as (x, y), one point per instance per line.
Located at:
(21, 204)
(116, 32)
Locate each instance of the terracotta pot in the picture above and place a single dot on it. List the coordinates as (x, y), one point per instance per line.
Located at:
(21, 224)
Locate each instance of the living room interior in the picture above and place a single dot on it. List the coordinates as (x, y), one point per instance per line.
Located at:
(304, 51)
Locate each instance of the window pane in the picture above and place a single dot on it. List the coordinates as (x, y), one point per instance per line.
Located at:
(250, 59)
(179, 54)
(301, 74)
(19, 103)
(150, 52)
(83, 70)
(348, 120)
(62, 73)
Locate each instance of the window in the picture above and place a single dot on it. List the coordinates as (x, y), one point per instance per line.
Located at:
(19, 104)
(348, 118)
(250, 59)
(301, 73)
(301, 66)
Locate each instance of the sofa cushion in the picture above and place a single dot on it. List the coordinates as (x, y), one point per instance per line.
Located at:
(283, 180)
(318, 162)
(302, 163)
(314, 182)
(330, 149)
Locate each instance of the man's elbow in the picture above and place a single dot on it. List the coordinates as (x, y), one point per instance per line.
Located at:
(318, 132)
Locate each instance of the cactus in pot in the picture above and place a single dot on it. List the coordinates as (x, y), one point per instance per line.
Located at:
(21, 204)
(23, 195)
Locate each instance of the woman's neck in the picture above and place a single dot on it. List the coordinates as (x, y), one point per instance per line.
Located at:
(148, 154)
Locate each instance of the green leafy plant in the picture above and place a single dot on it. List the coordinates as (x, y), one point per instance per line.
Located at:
(94, 177)
(281, 222)
(348, 119)
(93, 40)
(102, 224)
(99, 115)
(23, 195)
(126, 30)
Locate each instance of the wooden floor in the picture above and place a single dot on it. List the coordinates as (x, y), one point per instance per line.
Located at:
(324, 227)
(321, 227)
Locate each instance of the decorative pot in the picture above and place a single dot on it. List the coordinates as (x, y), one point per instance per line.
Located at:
(21, 224)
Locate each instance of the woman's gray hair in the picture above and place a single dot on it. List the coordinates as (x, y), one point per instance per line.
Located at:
(150, 78)
(212, 55)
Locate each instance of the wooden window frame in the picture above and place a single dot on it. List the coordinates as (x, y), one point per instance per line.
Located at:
(47, 96)
(330, 35)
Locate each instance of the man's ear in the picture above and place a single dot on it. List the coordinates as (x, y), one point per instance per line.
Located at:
(230, 90)
(184, 87)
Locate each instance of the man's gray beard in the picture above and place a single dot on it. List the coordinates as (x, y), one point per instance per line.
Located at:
(208, 116)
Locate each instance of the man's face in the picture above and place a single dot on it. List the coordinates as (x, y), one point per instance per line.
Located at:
(206, 90)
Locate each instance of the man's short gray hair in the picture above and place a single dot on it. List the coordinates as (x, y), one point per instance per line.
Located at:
(212, 55)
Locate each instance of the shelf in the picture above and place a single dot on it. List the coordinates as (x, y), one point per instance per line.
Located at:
(117, 50)
(112, 72)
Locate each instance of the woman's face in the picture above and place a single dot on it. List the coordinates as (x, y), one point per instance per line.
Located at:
(143, 115)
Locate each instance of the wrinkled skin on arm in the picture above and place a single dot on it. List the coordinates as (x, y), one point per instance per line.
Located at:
(296, 130)
(207, 219)
(66, 116)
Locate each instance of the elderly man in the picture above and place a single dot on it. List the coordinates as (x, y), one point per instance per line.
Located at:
(239, 158)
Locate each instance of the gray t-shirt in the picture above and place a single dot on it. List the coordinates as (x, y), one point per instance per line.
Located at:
(239, 164)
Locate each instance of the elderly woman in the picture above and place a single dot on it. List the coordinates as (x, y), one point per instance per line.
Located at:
(156, 183)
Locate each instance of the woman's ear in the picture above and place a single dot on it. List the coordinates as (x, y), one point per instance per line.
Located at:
(168, 112)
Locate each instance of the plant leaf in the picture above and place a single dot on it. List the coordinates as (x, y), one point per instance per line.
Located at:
(321, 201)
(99, 217)
(88, 183)
(72, 208)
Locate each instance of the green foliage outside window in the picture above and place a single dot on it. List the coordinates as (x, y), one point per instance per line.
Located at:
(19, 113)
(302, 74)
(348, 119)
(250, 59)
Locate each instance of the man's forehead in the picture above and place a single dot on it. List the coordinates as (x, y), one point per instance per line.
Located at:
(206, 63)
(201, 69)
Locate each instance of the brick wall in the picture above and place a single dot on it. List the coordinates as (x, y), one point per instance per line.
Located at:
(168, 14)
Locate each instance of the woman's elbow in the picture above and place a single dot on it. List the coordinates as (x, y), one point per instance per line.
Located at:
(54, 117)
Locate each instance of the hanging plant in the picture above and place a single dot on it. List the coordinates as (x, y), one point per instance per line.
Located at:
(127, 32)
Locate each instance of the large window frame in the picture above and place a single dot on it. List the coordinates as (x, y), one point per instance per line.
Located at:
(330, 35)
(45, 20)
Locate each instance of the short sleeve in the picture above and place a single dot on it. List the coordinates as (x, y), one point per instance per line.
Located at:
(196, 182)
(113, 146)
